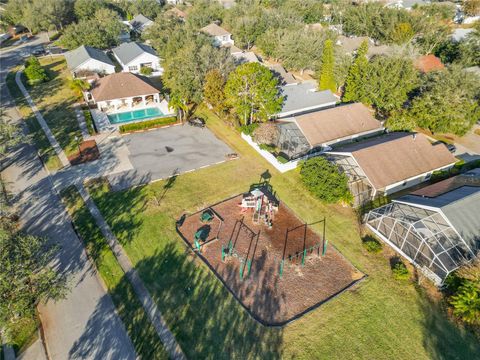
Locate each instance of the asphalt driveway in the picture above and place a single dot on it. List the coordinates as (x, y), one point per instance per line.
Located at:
(161, 153)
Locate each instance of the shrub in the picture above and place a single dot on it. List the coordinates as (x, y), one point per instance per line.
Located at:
(89, 120)
(282, 159)
(400, 271)
(266, 133)
(249, 129)
(145, 70)
(268, 147)
(324, 180)
(34, 72)
(466, 302)
(371, 244)
(142, 125)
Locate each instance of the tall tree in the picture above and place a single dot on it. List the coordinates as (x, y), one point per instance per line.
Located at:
(252, 91)
(85, 9)
(327, 63)
(448, 102)
(356, 78)
(26, 277)
(213, 91)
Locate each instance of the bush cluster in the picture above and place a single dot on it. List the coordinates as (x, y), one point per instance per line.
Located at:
(89, 120)
(143, 125)
(34, 72)
(400, 271)
(371, 244)
(145, 70)
(249, 129)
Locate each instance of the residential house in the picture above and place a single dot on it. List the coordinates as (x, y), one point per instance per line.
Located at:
(86, 60)
(139, 23)
(428, 63)
(460, 34)
(122, 91)
(133, 56)
(285, 77)
(406, 4)
(322, 129)
(390, 163)
(176, 12)
(304, 97)
(350, 44)
(242, 57)
(220, 36)
(436, 228)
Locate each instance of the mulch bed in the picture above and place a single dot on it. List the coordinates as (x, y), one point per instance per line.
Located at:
(88, 152)
(270, 299)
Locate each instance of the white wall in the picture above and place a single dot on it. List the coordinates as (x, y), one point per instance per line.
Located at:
(144, 58)
(97, 66)
(223, 40)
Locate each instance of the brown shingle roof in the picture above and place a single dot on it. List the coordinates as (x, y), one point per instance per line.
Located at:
(323, 126)
(121, 85)
(395, 157)
(427, 63)
(441, 187)
(214, 30)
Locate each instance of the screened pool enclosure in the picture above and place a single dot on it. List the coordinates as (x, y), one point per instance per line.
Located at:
(423, 236)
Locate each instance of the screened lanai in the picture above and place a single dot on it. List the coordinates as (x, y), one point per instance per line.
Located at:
(291, 140)
(424, 236)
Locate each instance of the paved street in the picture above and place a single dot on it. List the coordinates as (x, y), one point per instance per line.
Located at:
(85, 324)
(160, 153)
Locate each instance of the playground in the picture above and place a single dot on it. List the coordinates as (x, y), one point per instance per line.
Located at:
(276, 266)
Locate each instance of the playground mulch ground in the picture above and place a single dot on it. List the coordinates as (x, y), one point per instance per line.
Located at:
(88, 151)
(271, 299)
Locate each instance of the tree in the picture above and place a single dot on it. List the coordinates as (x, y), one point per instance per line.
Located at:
(9, 134)
(34, 72)
(26, 277)
(471, 7)
(327, 63)
(448, 102)
(185, 71)
(402, 33)
(100, 31)
(310, 11)
(324, 180)
(252, 91)
(85, 9)
(178, 105)
(213, 90)
(357, 76)
(389, 82)
(79, 86)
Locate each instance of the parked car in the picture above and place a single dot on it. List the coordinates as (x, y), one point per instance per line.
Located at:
(197, 122)
(24, 38)
(39, 51)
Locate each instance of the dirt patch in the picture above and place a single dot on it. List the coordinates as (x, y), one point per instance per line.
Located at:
(88, 151)
(272, 296)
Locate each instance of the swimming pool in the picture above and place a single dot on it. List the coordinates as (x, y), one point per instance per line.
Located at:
(133, 115)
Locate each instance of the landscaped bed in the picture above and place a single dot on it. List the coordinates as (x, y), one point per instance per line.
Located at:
(87, 151)
(148, 124)
(276, 276)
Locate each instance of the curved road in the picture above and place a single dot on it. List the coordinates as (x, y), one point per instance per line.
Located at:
(84, 325)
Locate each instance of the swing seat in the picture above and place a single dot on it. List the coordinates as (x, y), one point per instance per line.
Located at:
(206, 216)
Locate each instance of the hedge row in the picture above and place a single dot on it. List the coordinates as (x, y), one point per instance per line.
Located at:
(143, 125)
(89, 121)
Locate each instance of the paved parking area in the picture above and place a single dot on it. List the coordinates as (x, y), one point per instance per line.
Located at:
(161, 153)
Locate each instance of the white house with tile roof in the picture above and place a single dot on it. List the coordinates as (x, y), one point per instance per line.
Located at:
(220, 36)
(132, 56)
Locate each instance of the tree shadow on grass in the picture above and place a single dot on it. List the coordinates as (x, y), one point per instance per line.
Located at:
(205, 318)
(442, 338)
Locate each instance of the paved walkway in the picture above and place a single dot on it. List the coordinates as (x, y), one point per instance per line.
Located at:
(56, 146)
(82, 124)
(143, 295)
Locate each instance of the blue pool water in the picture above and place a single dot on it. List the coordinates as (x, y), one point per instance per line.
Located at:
(133, 115)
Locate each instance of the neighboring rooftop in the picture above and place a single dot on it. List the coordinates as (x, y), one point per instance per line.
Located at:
(80, 55)
(214, 30)
(176, 12)
(460, 33)
(304, 97)
(460, 206)
(121, 85)
(245, 57)
(286, 78)
(324, 126)
(139, 22)
(474, 70)
(129, 51)
(470, 178)
(395, 157)
(351, 45)
(427, 63)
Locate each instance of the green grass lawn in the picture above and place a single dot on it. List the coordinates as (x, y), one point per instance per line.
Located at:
(141, 331)
(36, 134)
(379, 319)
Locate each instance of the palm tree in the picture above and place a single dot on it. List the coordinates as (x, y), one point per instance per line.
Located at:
(179, 105)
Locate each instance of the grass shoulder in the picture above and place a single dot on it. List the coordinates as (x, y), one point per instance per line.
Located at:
(141, 331)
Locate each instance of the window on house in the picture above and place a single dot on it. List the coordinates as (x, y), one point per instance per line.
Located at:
(149, 65)
(133, 68)
(225, 37)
